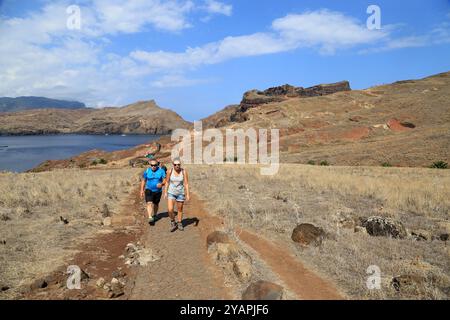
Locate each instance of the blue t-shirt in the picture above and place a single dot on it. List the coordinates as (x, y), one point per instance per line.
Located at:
(152, 178)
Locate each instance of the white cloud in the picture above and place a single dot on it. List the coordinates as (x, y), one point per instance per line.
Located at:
(440, 34)
(217, 7)
(132, 16)
(326, 30)
(211, 53)
(176, 80)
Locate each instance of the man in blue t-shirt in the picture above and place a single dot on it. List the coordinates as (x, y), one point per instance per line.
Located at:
(151, 187)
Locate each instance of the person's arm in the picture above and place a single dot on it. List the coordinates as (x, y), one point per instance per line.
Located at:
(163, 180)
(186, 185)
(144, 178)
(166, 183)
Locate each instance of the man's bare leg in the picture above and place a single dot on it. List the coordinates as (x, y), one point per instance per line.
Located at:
(150, 209)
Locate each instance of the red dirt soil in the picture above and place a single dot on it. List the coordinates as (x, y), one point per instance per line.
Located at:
(397, 126)
(303, 282)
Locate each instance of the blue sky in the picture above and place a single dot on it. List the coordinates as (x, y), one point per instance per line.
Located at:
(195, 57)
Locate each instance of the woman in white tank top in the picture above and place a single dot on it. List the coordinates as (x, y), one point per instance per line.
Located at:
(176, 191)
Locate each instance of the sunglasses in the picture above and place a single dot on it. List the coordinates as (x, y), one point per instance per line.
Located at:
(153, 165)
(177, 164)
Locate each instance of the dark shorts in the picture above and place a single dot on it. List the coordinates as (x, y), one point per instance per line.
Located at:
(151, 196)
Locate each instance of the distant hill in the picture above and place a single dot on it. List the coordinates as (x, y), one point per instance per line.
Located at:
(143, 117)
(25, 103)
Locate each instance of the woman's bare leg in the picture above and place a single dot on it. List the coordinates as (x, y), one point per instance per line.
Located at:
(180, 211)
(170, 205)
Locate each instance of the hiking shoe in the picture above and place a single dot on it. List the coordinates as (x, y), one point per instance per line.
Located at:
(151, 221)
(180, 226)
(173, 226)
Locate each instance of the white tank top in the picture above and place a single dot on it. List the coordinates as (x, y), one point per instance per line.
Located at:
(176, 183)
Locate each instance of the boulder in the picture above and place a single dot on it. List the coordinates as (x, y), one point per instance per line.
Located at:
(227, 251)
(116, 288)
(217, 237)
(307, 234)
(242, 269)
(444, 236)
(421, 235)
(385, 227)
(100, 282)
(410, 285)
(263, 290)
(107, 221)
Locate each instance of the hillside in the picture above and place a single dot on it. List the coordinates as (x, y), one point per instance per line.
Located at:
(143, 117)
(8, 104)
(405, 123)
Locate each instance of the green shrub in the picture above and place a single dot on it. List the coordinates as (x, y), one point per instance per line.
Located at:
(102, 161)
(311, 162)
(386, 164)
(439, 165)
(324, 163)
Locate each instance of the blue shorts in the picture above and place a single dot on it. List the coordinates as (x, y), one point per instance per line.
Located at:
(178, 198)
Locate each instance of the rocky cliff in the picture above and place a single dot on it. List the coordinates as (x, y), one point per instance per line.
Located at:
(256, 98)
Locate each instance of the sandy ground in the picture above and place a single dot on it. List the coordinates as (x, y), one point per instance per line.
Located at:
(183, 269)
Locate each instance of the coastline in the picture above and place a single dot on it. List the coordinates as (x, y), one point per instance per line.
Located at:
(32, 153)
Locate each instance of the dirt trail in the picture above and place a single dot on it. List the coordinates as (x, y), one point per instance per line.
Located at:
(184, 269)
(304, 283)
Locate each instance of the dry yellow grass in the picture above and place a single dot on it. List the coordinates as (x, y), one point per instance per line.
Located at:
(36, 241)
(273, 205)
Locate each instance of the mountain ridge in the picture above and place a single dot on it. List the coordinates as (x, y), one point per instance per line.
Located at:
(143, 117)
(9, 104)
